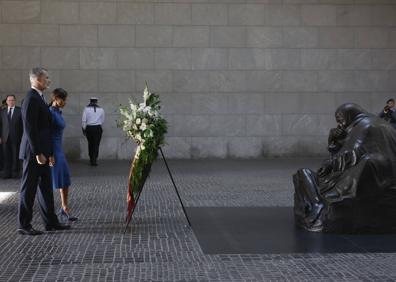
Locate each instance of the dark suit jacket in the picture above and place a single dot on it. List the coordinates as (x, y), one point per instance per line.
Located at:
(11, 130)
(36, 117)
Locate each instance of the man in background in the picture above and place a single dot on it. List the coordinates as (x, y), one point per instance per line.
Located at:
(2, 106)
(11, 130)
(388, 113)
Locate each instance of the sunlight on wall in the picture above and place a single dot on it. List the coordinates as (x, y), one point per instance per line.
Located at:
(5, 195)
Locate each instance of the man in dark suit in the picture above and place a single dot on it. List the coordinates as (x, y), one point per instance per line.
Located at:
(10, 136)
(2, 106)
(36, 153)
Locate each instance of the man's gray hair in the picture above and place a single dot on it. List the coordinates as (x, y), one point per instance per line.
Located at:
(37, 72)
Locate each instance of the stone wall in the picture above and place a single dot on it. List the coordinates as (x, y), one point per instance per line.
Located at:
(238, 78)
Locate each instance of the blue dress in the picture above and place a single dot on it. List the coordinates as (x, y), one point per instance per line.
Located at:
(60, 171)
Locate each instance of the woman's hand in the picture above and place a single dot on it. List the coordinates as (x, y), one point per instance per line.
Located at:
(51, 160)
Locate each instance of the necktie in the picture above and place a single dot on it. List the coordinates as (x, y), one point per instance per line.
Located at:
(42, 97)
(9, 114)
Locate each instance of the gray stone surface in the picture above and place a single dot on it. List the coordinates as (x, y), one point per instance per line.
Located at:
(173, 58)
(283, 15)
(158, 80)
(318, 15)
(191, 81)
(228, 36)
(207, 59)
(118, 81)
(40, 35)
(79, 81)
(98, 58)
(78, 35)
(158, 245)
(20, 57)
(135, 13)
(337, 37)
(59, 12)
(247, 59)
(250, 14)
(98, 13)
(264, 37)
(209, 14)
(177, 14)
(154, 36)
(301, 37)
(21, 11)
(10, 35)
(135, 58)
(116, 36)
(60, 58)
(191, 36)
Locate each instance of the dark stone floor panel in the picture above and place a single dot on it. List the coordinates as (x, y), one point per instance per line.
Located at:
(271, 230)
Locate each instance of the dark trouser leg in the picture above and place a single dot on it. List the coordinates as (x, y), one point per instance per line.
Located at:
(46, 197)
(89, 136)
(91, 141)
(1, 157)
(97, 138)
(33, 175)
(15, 159)
(30, 176)
(7, 150)
(94, 135)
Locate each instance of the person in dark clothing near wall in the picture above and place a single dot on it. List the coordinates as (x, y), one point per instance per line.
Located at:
(11, 130)
(2, 106)
(389, 113)
(92, 120)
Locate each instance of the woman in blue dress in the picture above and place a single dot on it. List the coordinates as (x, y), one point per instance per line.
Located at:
(60, 169)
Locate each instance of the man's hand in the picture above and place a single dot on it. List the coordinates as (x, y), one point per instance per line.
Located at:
(41, 159)
(51, 161)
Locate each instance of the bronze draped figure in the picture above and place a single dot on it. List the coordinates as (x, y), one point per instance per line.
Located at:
(354, 191)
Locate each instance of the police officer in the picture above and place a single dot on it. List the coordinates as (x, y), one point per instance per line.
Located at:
(92, 119)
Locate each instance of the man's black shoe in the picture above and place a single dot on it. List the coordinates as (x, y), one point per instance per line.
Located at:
(57, 227)
(29, 231)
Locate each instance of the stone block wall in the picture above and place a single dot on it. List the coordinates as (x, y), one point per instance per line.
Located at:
(238, 78)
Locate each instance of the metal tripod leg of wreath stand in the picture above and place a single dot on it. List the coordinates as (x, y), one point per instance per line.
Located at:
(174, 185)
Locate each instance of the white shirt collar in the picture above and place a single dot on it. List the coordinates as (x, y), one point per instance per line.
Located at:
(39, 91)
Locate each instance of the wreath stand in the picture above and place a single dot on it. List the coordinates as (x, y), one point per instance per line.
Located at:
(129, 219)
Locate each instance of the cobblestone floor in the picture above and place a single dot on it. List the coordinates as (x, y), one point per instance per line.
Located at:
(159, 246)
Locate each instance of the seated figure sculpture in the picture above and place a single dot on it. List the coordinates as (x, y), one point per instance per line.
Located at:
(354, 191)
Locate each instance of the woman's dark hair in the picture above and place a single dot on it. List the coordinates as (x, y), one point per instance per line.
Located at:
(59, 93)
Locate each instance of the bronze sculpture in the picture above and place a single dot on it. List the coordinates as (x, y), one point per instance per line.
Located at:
(354, 191)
